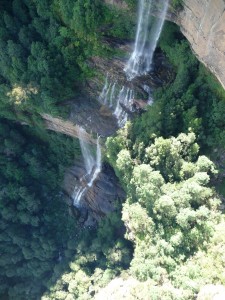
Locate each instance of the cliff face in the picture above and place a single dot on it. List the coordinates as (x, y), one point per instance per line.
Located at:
(203, 23)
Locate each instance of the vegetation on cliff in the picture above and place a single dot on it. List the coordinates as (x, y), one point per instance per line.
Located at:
(44, 49)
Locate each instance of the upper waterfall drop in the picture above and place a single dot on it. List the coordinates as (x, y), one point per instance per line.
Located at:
(147, 35)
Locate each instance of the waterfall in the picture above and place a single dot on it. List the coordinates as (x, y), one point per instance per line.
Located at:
(147, 35)
(112, 95)
(92, 164)
(103, 98)
(89, 160)
(147, 89)
(124, 102)
(119, 100)
(98, 164)
(77, 195)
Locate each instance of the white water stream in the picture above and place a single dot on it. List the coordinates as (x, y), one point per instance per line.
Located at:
(92, 164)
(147, 35)
(118, 100)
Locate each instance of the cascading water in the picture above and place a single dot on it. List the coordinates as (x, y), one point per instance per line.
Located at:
(92, 165)
(98, 164)
(105, 91)
(147, 89)
(112, 95)
(147, 35)
(124, 101)
(120, 100)
(89, 160)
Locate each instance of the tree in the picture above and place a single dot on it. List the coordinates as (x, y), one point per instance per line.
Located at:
(170, 212)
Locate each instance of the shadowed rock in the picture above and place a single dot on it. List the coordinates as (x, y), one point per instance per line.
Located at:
(88, 113)
(98, 200)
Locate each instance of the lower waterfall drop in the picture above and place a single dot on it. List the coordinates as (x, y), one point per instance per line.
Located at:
(92, 164)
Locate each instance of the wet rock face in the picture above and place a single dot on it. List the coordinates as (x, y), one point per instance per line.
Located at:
(161, 74)
(98, 200)
(88, 113)
(86, 110)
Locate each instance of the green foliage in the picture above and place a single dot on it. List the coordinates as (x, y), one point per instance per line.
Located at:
(100, 255)
(177, 4)
(194, 101)
(204, 267)
(44, 49)
(32, 208)
(131, 3)
(170, 212)
(118, 23)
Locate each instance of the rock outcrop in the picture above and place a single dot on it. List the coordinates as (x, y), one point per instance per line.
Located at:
(203, 23)
(161, 73)
(65, 127)
(87, 113)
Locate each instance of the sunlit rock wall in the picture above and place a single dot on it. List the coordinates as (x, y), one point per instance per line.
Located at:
(203, 24)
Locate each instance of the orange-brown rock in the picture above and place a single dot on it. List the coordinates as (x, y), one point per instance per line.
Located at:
(65, 127)
(203, 24)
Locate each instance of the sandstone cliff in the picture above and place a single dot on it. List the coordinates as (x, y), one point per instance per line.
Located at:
(65, 127)
(203, 23)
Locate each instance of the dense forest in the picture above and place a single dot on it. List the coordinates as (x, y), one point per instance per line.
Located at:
(167, 238)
